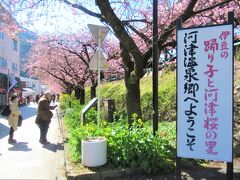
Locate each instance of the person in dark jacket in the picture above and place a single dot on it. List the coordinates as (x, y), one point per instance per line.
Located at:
(44, 116)
(37, 98)
(28, 99)
(53, 98)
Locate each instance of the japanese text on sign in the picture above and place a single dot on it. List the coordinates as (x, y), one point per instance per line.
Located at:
(204, 92)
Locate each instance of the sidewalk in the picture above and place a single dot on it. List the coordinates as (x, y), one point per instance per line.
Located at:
(28, 159)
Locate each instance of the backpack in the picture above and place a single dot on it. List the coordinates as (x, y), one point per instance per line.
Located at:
(6, 110)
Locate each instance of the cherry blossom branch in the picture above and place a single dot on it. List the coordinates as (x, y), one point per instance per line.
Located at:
(212, 7)
(122, 34)
(87, 11)
(140, 34)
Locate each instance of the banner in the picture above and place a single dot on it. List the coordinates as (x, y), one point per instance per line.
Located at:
(12, 81)
(205, 92)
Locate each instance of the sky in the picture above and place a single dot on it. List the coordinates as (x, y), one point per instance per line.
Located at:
(59, 18)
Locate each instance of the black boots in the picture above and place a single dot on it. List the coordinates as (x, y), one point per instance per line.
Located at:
(11, 140)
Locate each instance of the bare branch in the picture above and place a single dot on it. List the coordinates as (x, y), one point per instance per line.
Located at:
(78, 6)
(136, 20)
(121, 33)
(140, 34)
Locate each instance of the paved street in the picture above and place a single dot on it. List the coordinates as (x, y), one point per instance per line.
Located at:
(28, 159)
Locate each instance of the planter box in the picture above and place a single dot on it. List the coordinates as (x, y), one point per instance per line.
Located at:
(94, 151)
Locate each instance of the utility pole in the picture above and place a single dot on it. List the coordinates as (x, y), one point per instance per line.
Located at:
(155, 66)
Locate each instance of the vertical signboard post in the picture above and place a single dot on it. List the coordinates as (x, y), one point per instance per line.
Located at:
(155, 66)
(98, 62)
(205, 94)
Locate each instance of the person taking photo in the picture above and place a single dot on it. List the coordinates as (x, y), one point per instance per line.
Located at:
(44, 116)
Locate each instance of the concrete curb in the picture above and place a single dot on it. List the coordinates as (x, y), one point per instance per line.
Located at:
(60, 172)
(110, 174)
(60, 163)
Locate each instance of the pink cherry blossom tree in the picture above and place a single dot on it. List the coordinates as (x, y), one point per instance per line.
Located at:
(131, 22)
(66, 58)
(8, 23)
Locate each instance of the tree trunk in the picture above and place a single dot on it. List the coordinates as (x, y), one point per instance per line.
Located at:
(133, 97)
(67, 87)
(82, 96)
(132, 83)
(93, 92)
(67, 91)
(77, 90)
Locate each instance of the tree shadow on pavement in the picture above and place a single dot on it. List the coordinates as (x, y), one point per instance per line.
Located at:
(195, 172)
(51, 147)
(20, 146)
(60, 146)
(207, 173)
(4, 130)
(28, 111)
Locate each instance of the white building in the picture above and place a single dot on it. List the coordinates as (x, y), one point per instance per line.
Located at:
(9, 64)
(33, 84)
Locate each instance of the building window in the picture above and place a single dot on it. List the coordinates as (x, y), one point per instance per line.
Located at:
(3, 63)
(15, 45)
(1, 35)
(3, 81)
(14, 67)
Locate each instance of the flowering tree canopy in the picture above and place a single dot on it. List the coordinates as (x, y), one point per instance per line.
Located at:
(66, 58)
(131, 23)
(8, 23)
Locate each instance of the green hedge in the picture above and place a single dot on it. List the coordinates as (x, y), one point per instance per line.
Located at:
(135, 147)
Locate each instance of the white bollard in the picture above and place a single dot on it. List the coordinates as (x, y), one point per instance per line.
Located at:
(94, 151)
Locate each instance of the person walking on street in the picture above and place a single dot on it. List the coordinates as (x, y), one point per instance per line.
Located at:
(44, 116)
(37, 98)
(58, 96)
(28, 99)
(53, 98)
(13, 117)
